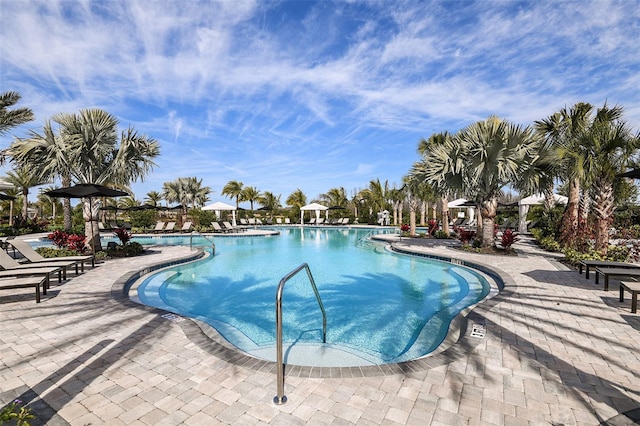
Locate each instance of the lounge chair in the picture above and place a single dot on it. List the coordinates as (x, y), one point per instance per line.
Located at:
(312, 221)
(252, 222)
(230, 228)
(34, 257)
(170, 227)
(217, 227)
(615, 272)
(29, 269)
(244, 222)
(345, 220)
(186, 227)
(159, 227)
(26, 282)
(588, 264)
(320, 221)
(287, 221)
(259, 222)
(278, 221)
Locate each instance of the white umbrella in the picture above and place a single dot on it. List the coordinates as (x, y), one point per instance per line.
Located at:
(218, 206)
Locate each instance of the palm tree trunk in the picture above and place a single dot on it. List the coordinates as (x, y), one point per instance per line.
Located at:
(445, 215)
(91, 230)
(66, 205)
(424, 206)
(603, 209)
(413, 207)
(488, 210)
(570, 216)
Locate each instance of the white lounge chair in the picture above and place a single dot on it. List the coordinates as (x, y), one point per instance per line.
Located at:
(186, 227)
(159, 227)
(170, 227)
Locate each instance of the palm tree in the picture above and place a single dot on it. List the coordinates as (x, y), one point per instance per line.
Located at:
(233, 189)
(269, 201)
(481, 159)
(48, 152)
(611, 145)
(250, 194)
(24, 178)
(153, 198)
(562, 132)
(88, 149)
(439, 142)
(335, 197)
(297, 199)
(15, 117)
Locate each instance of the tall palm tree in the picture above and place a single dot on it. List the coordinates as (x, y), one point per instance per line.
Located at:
(88, 149)
(24, 178)
(611, 146)
(47, 150)
(250, 194)
(563, 132)
(411, 190)
(233, 189)
(440, 184)
(15, 117)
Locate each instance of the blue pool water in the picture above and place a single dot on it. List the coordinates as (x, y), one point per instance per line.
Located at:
(381, 307)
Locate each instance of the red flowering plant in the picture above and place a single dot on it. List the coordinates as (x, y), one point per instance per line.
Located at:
(466, 236)
(64, 242)
(58, 238)
(405, 228)
(76, 242)
(508, 238)
(433, 227)
(123, 235)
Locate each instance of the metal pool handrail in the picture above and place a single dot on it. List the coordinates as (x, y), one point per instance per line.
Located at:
(213, 245)
(280, 398)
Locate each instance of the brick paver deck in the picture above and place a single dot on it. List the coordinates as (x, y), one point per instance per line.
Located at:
(557, 350)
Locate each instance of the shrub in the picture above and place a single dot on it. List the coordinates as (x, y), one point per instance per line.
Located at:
(57, 252)
(433, 226)
(508, 238)
(61, 240)
(466, 236)
(123, 235)
(129, 250)
(441, 235)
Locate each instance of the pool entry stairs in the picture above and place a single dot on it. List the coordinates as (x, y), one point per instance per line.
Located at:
(280, 398)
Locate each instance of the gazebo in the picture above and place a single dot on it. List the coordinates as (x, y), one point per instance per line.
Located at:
(219, 206)
(536, 199)
(313, 207)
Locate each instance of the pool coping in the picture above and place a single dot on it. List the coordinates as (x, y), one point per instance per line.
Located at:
(461, 339)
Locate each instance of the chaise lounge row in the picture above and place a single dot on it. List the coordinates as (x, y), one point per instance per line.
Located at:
(37, 270)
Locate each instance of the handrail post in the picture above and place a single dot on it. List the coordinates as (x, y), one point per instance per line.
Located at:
(280, 398)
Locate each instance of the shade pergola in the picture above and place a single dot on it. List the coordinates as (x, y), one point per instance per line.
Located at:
(536, 199)
(219, 206)
(463, 203)
(313, 207)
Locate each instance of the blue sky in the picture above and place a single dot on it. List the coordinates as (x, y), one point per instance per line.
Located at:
(313, 94)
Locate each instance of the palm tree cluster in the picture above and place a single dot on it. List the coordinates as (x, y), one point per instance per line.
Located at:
(82, 148)
(573, 146)
(580, 148)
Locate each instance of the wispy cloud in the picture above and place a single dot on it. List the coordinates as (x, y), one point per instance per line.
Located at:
(310, 94)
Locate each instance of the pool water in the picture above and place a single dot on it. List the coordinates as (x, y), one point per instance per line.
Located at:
(381, 307)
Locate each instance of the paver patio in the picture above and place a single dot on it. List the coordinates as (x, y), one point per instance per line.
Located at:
(557, 350)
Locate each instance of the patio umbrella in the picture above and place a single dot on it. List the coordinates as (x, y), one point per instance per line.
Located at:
(634, 174)
(5, 197)
(86, 190)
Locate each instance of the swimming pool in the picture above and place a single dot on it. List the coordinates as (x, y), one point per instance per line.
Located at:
(381, 307)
